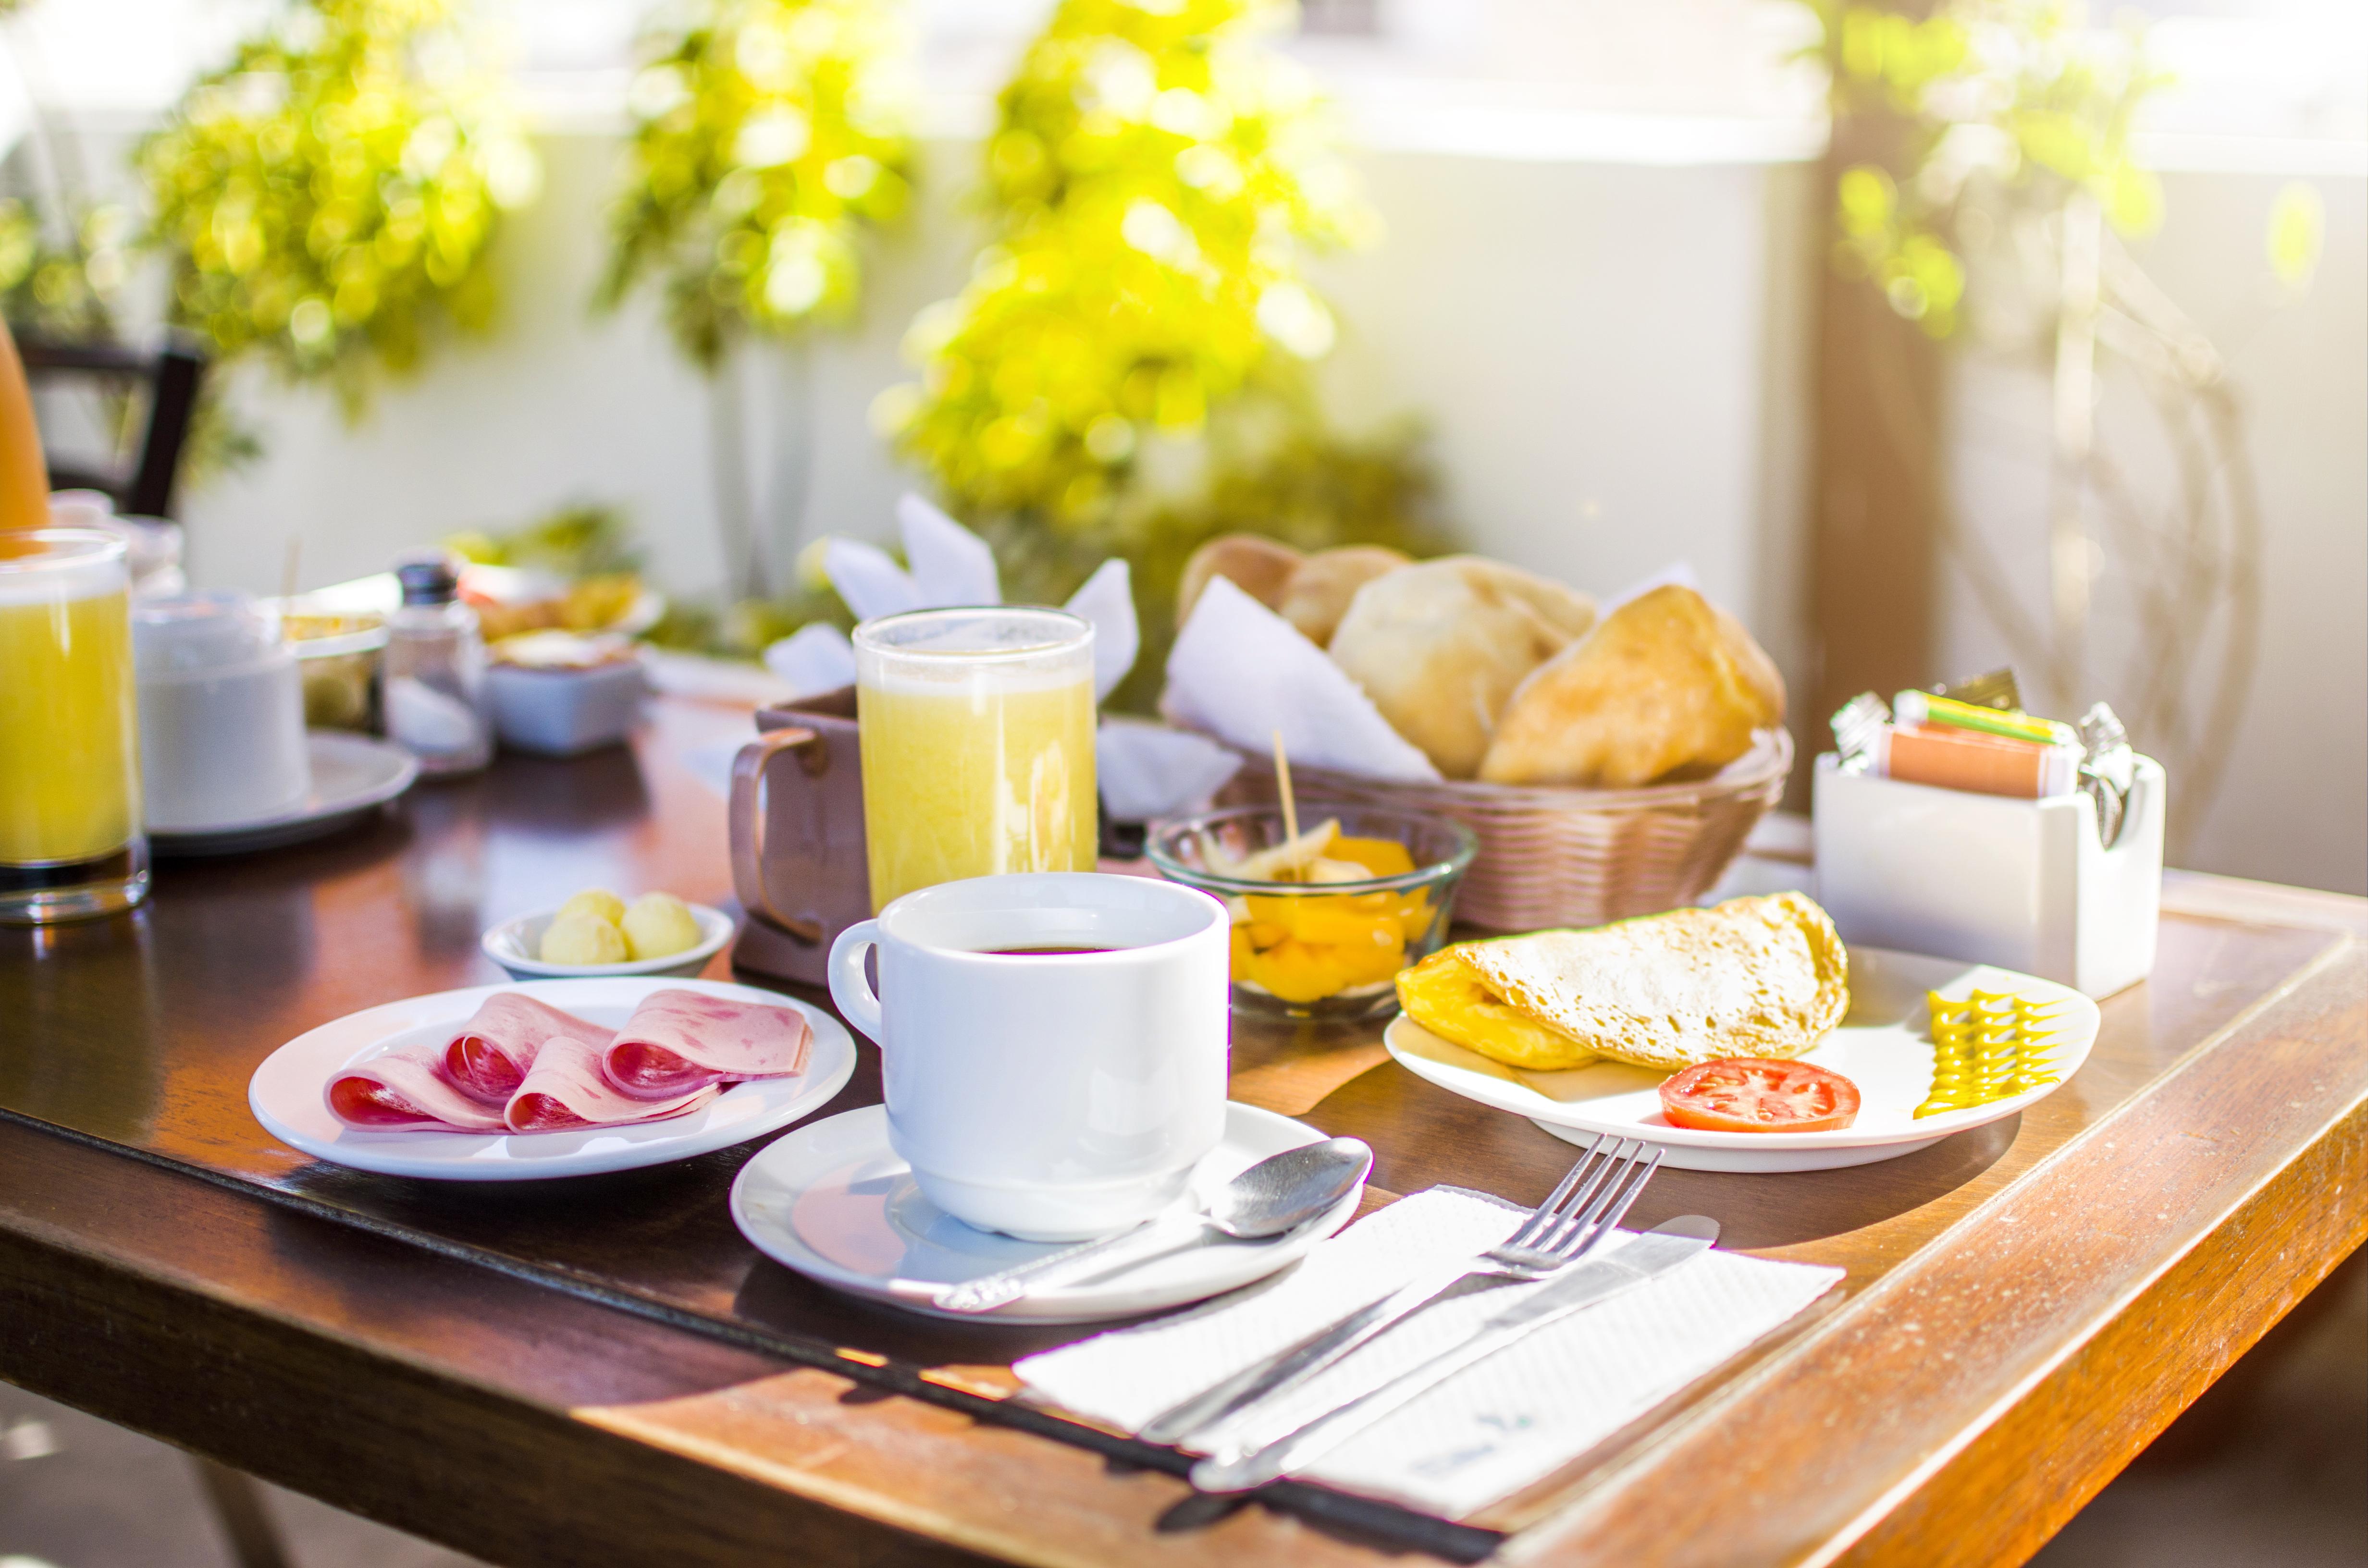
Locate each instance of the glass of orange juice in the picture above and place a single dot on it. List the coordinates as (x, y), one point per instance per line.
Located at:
(70, 838)
(977, 736)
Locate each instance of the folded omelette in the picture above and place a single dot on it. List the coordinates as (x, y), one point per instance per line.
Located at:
(1750, 977)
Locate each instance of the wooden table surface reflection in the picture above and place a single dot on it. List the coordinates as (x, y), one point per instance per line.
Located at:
(550, 1373)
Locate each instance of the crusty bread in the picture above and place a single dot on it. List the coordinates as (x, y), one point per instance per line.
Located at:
(1439, 646)
(1259, 566)
(1319, 589)
(1750, 977)
(1668, 686)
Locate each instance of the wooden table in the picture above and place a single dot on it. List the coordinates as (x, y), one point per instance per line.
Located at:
(601, 1370)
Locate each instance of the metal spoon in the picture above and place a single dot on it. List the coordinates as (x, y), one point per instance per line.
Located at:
(1275, 1196)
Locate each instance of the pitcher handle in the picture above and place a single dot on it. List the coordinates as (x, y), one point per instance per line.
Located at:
(852, 995)
(748, 830)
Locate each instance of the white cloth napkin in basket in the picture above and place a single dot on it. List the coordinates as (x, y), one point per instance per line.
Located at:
(1485, 1434)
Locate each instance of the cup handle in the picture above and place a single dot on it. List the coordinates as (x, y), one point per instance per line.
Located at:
(748, 830)
(857, 1002)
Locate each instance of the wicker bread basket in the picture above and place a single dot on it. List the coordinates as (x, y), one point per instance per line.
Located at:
(1563, 857)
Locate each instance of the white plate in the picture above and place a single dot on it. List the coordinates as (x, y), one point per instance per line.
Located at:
(285, 1092)
(1884, 1047)
(351, 773)
(513, 944)
(833, 1202)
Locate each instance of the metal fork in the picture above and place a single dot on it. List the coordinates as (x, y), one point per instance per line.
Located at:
(1579, 1213)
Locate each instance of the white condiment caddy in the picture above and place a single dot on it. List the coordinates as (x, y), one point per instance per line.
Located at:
(2022, 884)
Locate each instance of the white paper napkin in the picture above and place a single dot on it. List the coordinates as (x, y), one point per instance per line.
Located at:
(951, 565)
(1148, 770)
(868, 578)
(1482, 1435)
(813, 659)
(1106, 599)
(1240, 672)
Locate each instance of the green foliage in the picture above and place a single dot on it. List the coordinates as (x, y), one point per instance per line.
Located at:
(745, 629)
(1127, 370)
(1282, 475)
(2010, 104)
(69, 288)
(769, 134)
(1154, 175)
(65, 290)
(334, 187)
(583, 538)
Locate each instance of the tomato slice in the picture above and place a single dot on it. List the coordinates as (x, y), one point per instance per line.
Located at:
(1748, 1094)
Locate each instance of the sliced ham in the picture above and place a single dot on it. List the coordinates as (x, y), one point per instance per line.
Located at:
(680, 1040)
(406, 1088)
(565, 1089)
(489, 1058)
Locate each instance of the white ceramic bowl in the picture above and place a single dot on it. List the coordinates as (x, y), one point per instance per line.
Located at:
(514, 943)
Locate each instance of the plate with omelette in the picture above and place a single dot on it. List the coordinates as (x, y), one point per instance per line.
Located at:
(1721, 1033)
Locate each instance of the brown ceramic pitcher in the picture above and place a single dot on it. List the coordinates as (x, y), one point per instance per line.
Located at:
(798, 862)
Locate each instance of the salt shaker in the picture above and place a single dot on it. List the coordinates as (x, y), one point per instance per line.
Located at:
(436, 672)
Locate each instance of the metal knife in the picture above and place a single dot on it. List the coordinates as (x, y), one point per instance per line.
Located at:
(1242, 1466)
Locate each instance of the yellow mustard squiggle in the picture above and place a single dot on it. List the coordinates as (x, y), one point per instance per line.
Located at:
(1991, 1046)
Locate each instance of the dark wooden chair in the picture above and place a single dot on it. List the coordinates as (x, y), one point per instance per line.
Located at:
(170, 374)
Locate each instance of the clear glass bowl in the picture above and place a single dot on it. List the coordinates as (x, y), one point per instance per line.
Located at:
(1323, 949)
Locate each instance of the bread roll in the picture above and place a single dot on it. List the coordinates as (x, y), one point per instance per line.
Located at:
(1440, 646)
(1319, 589)
(1259, 566)
(1669, 685)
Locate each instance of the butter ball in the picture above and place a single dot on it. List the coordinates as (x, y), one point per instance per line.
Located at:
(659, 923)
(582, 938)
(597, 903)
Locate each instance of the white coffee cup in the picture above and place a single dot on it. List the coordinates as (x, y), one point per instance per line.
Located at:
(1051, 1096)
(221, 713)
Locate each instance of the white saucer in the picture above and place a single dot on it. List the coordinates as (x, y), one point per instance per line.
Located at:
(1884, 1047)
(285, 1092)
(833, 1202)
(351, 773)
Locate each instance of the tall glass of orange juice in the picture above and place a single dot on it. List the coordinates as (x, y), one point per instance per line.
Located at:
(70, 839)
(977, 736)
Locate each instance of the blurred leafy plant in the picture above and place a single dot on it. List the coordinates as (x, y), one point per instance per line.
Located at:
(63, 288)
(68, 286)
(1128, 370)
(1155, 174)
(1287, 477)
(2008, 106)
(769, 134)
(333, 188)
(583, 538)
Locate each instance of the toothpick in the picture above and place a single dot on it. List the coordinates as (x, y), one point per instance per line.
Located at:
(1290, 806)
(288, 566)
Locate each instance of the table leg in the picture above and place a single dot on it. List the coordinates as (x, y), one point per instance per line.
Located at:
(238, 1506)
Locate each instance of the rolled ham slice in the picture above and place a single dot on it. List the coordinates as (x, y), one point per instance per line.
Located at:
(565, 1089)
(489, 1058)
(402, 1090)
(680, 1040)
